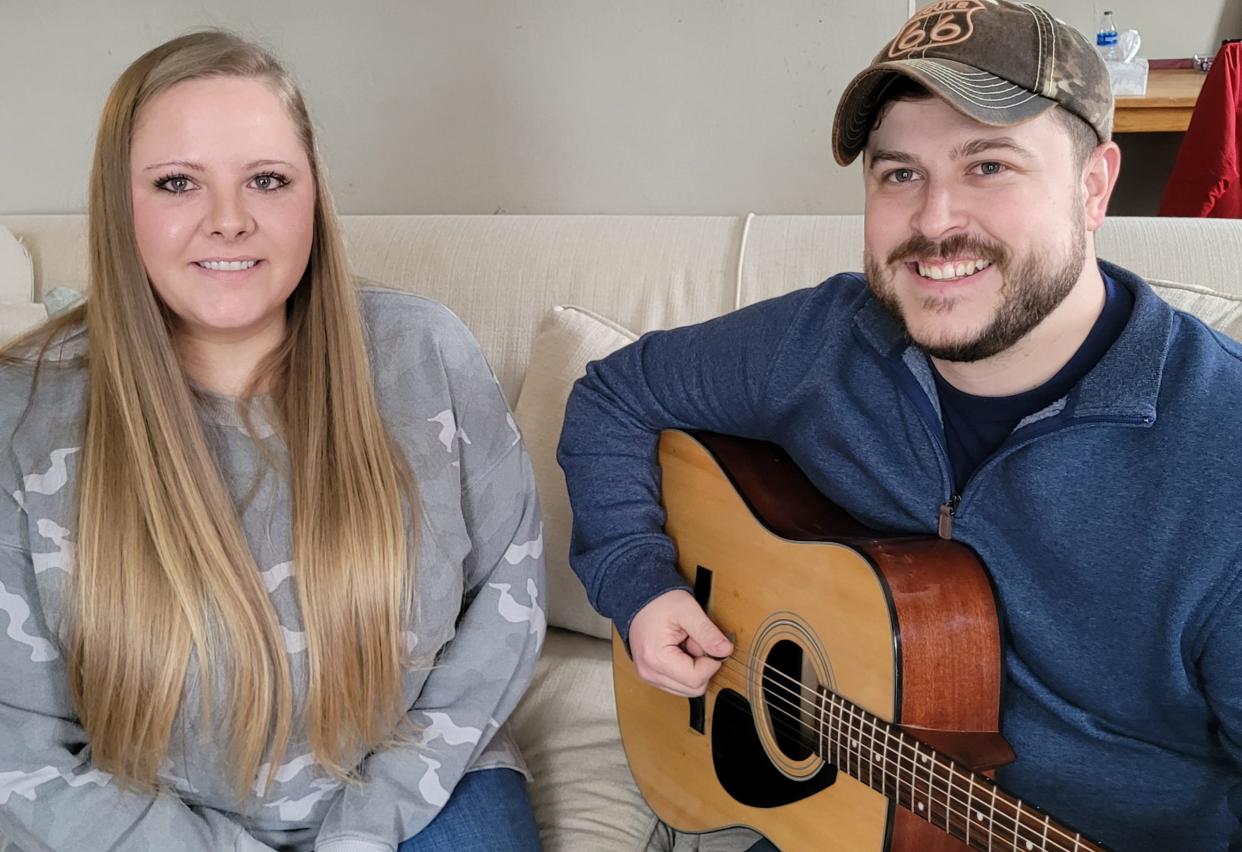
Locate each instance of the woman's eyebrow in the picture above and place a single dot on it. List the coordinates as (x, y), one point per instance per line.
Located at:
(184, 164)
(199, 167)
(259, 163)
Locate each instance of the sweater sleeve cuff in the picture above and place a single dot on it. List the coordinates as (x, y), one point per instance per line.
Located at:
(634, 580)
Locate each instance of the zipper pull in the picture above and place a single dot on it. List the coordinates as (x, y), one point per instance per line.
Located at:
(945, 527)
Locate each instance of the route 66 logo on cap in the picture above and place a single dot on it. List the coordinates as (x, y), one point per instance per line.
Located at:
(999, 62)
(939, 25)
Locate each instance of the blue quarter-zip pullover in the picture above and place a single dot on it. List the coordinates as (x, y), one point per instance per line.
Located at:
(1110, 521)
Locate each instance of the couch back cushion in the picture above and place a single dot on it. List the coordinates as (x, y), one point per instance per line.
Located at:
(784, 253)
(1191, 263)
(501, 274)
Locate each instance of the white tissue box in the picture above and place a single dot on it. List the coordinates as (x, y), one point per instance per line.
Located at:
(1128, 78)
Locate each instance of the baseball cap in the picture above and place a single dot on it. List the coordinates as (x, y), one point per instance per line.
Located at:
(996, 61)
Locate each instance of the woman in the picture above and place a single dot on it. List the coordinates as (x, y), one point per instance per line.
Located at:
(233, 621)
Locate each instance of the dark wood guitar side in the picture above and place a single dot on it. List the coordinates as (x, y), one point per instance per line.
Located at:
(859, 710)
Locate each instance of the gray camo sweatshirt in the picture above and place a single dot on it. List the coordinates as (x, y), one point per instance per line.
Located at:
(478, 613)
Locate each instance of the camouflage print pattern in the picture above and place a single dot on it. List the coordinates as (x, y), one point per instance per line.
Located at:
(996, 61)
(474, 631)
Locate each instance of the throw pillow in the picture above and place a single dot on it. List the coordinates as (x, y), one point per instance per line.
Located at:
(1222, 311)
(16, 270)
(567, 340)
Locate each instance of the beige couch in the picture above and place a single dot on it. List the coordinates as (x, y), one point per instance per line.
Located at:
(503, 275)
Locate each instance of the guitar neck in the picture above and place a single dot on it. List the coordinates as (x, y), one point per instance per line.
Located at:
(931, 785)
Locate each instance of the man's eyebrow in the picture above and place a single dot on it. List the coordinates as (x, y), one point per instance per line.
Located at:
(978, 146)
(894, 156)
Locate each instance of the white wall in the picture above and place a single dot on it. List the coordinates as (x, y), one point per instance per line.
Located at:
(522, 106)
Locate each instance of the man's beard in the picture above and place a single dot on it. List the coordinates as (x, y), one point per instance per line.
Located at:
(1030, 290)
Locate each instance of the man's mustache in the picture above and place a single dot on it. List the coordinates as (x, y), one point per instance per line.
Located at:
(919, 247)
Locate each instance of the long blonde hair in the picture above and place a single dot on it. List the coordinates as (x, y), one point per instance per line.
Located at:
(163, 567)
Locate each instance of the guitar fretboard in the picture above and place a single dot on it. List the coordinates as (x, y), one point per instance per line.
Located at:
(962, 802)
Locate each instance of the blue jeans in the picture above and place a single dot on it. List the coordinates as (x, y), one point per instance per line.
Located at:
(489, 811)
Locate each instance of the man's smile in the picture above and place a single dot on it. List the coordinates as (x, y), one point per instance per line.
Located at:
(937, 269)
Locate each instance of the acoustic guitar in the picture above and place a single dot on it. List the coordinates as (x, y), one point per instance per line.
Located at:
(859, 709)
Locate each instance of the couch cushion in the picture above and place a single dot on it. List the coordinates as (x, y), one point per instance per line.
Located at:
(501, 274)
(568, 338)
(16, 318)
(566, 726)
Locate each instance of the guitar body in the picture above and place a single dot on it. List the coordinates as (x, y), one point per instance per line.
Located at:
(905, 628)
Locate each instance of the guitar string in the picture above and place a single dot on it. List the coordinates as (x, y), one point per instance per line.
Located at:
(1038, 833)
(933, 793)
(1016, 825)
(1015, 806)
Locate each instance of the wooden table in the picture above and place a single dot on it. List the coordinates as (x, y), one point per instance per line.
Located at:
(1166, 108)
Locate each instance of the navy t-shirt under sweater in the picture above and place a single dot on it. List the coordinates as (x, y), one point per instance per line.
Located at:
(975, 426)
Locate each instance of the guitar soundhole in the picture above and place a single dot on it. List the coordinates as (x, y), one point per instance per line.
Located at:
(763, 742)
(789, 700)
(743, 765)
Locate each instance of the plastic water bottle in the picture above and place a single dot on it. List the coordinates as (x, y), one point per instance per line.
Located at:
(1106, 39)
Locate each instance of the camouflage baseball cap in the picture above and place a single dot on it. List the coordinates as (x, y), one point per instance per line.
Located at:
(996, 61)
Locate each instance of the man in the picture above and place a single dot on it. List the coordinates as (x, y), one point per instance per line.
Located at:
(990, 381)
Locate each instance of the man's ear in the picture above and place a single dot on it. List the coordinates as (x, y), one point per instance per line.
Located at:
(1099, 176)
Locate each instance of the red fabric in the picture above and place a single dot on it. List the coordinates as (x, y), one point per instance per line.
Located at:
(1205, 179)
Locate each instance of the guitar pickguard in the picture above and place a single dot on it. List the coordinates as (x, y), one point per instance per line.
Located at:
(742, 765)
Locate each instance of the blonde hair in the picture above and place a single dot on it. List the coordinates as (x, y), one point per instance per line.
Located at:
(163, 567)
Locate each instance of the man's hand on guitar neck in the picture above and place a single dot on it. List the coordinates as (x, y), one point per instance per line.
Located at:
(675, 645)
